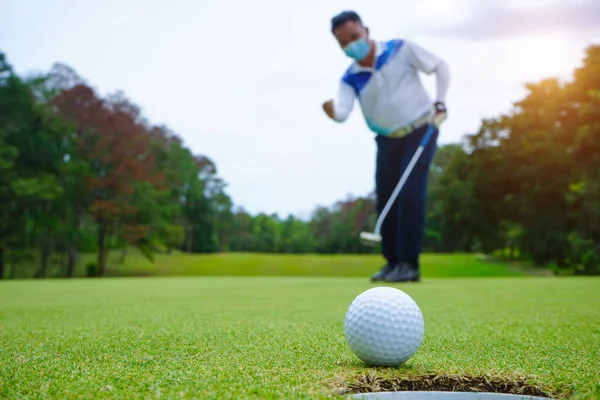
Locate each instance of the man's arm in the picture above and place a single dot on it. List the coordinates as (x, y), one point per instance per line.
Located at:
(427, 62)
(339, 109)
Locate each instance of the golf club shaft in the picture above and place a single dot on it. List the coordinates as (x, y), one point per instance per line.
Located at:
(403, 179)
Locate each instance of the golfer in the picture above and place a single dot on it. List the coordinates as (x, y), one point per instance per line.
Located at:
(384, 77)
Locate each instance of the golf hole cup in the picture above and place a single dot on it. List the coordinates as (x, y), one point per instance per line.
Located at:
(384, 327)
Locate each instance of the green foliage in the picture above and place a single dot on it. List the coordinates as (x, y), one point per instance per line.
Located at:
(30, 143)
(173, 235)
(536, 172)
(91, 269)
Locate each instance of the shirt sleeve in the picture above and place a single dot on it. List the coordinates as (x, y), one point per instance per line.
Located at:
(427, 62)
(343, 103)
(442, 80)
(421, 59)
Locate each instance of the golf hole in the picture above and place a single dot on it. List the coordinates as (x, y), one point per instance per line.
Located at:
(442, 396)
(440, 386)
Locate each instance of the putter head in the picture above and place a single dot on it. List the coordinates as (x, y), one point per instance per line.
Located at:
(370, 239)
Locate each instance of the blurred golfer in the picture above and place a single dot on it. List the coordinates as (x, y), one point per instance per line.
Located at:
(384, 77)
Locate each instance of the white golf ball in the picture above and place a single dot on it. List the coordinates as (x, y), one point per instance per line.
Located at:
(384, 326)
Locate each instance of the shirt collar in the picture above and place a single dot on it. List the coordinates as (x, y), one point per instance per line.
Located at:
(379, 49)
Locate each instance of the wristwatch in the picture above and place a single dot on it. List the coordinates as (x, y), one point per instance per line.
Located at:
(440, 113)
(439, 107)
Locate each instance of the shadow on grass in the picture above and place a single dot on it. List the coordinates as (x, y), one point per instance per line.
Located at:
(359, 365)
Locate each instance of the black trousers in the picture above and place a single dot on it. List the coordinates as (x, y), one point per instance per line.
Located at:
(403, 229)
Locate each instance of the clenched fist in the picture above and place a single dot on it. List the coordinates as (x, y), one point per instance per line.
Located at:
(328, 108)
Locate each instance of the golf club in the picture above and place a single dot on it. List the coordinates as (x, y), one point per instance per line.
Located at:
(373, 238)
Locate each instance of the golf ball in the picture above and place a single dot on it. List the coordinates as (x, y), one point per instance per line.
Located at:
(384, 326)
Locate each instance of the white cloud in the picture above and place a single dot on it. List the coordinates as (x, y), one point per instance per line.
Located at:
(501, 19)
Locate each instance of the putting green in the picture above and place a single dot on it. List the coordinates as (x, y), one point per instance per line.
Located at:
(265, 337)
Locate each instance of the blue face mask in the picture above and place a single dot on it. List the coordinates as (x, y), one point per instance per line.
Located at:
(358, 49)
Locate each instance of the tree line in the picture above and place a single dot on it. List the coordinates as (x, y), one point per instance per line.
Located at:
(81, 173)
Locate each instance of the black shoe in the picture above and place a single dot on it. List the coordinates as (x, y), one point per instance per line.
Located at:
(382, 273)
(404, 272)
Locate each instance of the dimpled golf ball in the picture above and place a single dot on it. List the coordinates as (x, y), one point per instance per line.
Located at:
(384, 327)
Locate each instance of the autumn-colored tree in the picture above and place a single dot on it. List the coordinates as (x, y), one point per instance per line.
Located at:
(77, 104)
(120, 158)
(118, 155)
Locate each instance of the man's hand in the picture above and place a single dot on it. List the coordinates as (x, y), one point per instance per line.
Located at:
(440, 113)
(328, 108)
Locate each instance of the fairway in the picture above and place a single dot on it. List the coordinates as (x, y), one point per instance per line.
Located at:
(281, 337)
(344, 265)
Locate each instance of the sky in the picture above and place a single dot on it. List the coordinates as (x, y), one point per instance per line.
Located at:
(242, 82)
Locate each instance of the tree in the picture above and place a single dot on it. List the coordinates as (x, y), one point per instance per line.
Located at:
(536, 169)
(29, 158)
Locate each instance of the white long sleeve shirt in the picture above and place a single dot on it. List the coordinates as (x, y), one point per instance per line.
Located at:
(391, 95)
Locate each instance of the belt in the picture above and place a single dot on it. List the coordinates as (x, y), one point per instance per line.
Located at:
(405, 130)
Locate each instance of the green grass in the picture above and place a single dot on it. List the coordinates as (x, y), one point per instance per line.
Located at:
(253, 264)
(249, 264)
(280, 337)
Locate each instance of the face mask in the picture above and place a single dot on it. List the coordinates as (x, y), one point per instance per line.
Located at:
(358, 49)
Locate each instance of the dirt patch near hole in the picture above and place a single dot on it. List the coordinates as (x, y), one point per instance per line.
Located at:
(371, 382)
